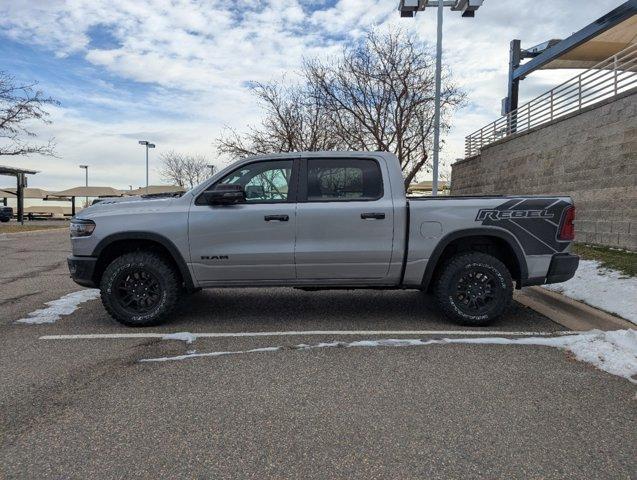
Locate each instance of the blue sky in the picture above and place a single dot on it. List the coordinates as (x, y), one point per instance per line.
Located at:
(175, 71)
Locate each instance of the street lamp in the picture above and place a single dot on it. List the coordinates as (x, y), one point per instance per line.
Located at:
(148, 145)
(408, 8)
(85, 167)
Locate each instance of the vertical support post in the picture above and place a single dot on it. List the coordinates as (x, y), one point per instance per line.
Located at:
(147, 169)
(4, 201)
(579, 91)
(434, 183)
(511, 104)
(551, 104)
(20, 197)
(72, 206)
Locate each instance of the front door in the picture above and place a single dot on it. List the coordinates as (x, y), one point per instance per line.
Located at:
(345, 221)
(249, 241)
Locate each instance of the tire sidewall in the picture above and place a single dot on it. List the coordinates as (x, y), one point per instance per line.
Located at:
(499, 300)
(114, 272)
(459, 266)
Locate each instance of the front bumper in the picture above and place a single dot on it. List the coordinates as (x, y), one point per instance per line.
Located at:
(81, 269)
(562, 268)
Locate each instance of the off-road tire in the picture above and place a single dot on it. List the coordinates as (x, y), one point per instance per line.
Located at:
(460, 267)
(164, 274)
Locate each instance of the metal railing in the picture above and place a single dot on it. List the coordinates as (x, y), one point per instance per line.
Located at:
(611, 77)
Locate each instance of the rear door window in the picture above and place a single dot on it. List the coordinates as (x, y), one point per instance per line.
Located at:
(343, 180)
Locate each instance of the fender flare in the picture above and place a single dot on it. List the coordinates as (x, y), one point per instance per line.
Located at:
(502, 234)
(155, 237)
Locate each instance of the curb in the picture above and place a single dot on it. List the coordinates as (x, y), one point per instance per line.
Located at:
(31, 232)
(567, 312)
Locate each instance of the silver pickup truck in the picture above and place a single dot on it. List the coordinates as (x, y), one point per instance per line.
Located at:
(320, 220)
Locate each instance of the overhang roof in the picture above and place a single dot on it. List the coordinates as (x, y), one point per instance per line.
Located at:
(585, 48)
(88, 192)
(599, 48)
(15, 171)
(28, 193)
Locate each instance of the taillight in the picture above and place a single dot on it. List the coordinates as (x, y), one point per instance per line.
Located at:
(567, 228)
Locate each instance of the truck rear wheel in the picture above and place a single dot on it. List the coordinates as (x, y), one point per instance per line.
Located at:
(140, 289)
(474, 288)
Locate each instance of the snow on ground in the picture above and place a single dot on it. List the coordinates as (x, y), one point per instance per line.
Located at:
(183, 336)
(65, 305)
(194, 354)
(614, 352)
(603, 288)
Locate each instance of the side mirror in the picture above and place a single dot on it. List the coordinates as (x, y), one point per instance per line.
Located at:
(225, 195)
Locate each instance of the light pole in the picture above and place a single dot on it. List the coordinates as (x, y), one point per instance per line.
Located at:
(85, 167)
(408, 8)
(148, 145)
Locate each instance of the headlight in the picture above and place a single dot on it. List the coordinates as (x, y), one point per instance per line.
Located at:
(81, 228)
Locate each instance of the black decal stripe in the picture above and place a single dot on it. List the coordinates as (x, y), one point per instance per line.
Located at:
(539, 239)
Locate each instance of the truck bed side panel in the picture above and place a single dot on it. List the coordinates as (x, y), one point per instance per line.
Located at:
(531, 222)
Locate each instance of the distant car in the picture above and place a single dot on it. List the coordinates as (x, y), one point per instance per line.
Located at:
(6, 214)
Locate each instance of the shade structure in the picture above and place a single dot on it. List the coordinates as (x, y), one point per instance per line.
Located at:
(88, 192)
(155, 190)
(28, 193)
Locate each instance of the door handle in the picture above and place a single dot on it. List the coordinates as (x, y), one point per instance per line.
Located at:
(374, 215)
(280, 218)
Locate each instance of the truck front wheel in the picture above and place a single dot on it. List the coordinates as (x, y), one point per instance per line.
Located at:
(474, 288)
(140, 289)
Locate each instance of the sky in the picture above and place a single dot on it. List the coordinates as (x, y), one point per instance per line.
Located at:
(175, 72)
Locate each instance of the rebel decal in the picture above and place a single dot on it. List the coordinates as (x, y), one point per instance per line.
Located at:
(494, 214)
(534, 222)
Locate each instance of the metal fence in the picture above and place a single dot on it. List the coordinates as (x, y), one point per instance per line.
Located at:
(607, 79)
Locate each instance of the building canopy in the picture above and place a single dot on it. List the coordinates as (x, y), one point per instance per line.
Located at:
(599, 48)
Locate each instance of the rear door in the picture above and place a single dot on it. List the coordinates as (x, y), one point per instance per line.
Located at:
(345, 220)
(250, 241)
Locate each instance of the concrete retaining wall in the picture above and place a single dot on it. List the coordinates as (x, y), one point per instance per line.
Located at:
(591, 156)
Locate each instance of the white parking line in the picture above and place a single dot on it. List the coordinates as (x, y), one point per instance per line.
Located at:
(481, 333)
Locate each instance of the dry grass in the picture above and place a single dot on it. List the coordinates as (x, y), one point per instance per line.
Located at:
(622, 260)
(16, 227)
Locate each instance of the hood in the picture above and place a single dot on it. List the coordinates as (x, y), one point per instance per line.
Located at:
(139, 204)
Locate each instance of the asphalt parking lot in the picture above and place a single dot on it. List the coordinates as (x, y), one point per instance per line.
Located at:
(91, 408)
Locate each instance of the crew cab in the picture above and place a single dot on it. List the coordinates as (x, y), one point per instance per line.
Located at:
(320, 220)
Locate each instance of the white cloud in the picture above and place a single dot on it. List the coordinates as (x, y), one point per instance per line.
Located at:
(196, 56)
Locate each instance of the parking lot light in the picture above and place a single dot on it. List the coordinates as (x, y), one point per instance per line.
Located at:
(409, 8)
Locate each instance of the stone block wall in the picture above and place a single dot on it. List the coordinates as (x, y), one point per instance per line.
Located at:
(591, 156)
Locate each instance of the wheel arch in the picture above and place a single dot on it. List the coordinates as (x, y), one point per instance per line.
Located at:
(120, 243)
(486, 240)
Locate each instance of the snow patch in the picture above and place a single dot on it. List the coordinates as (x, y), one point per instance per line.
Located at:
(183, 336)
(209, 354)
(614, 352)
(65, 305)
(603, 288)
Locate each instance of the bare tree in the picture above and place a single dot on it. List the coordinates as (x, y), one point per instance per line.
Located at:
(185, 170)
(294, 121)
(377, 95)
(20, 105)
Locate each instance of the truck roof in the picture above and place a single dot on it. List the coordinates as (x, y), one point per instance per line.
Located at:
(321, 154)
